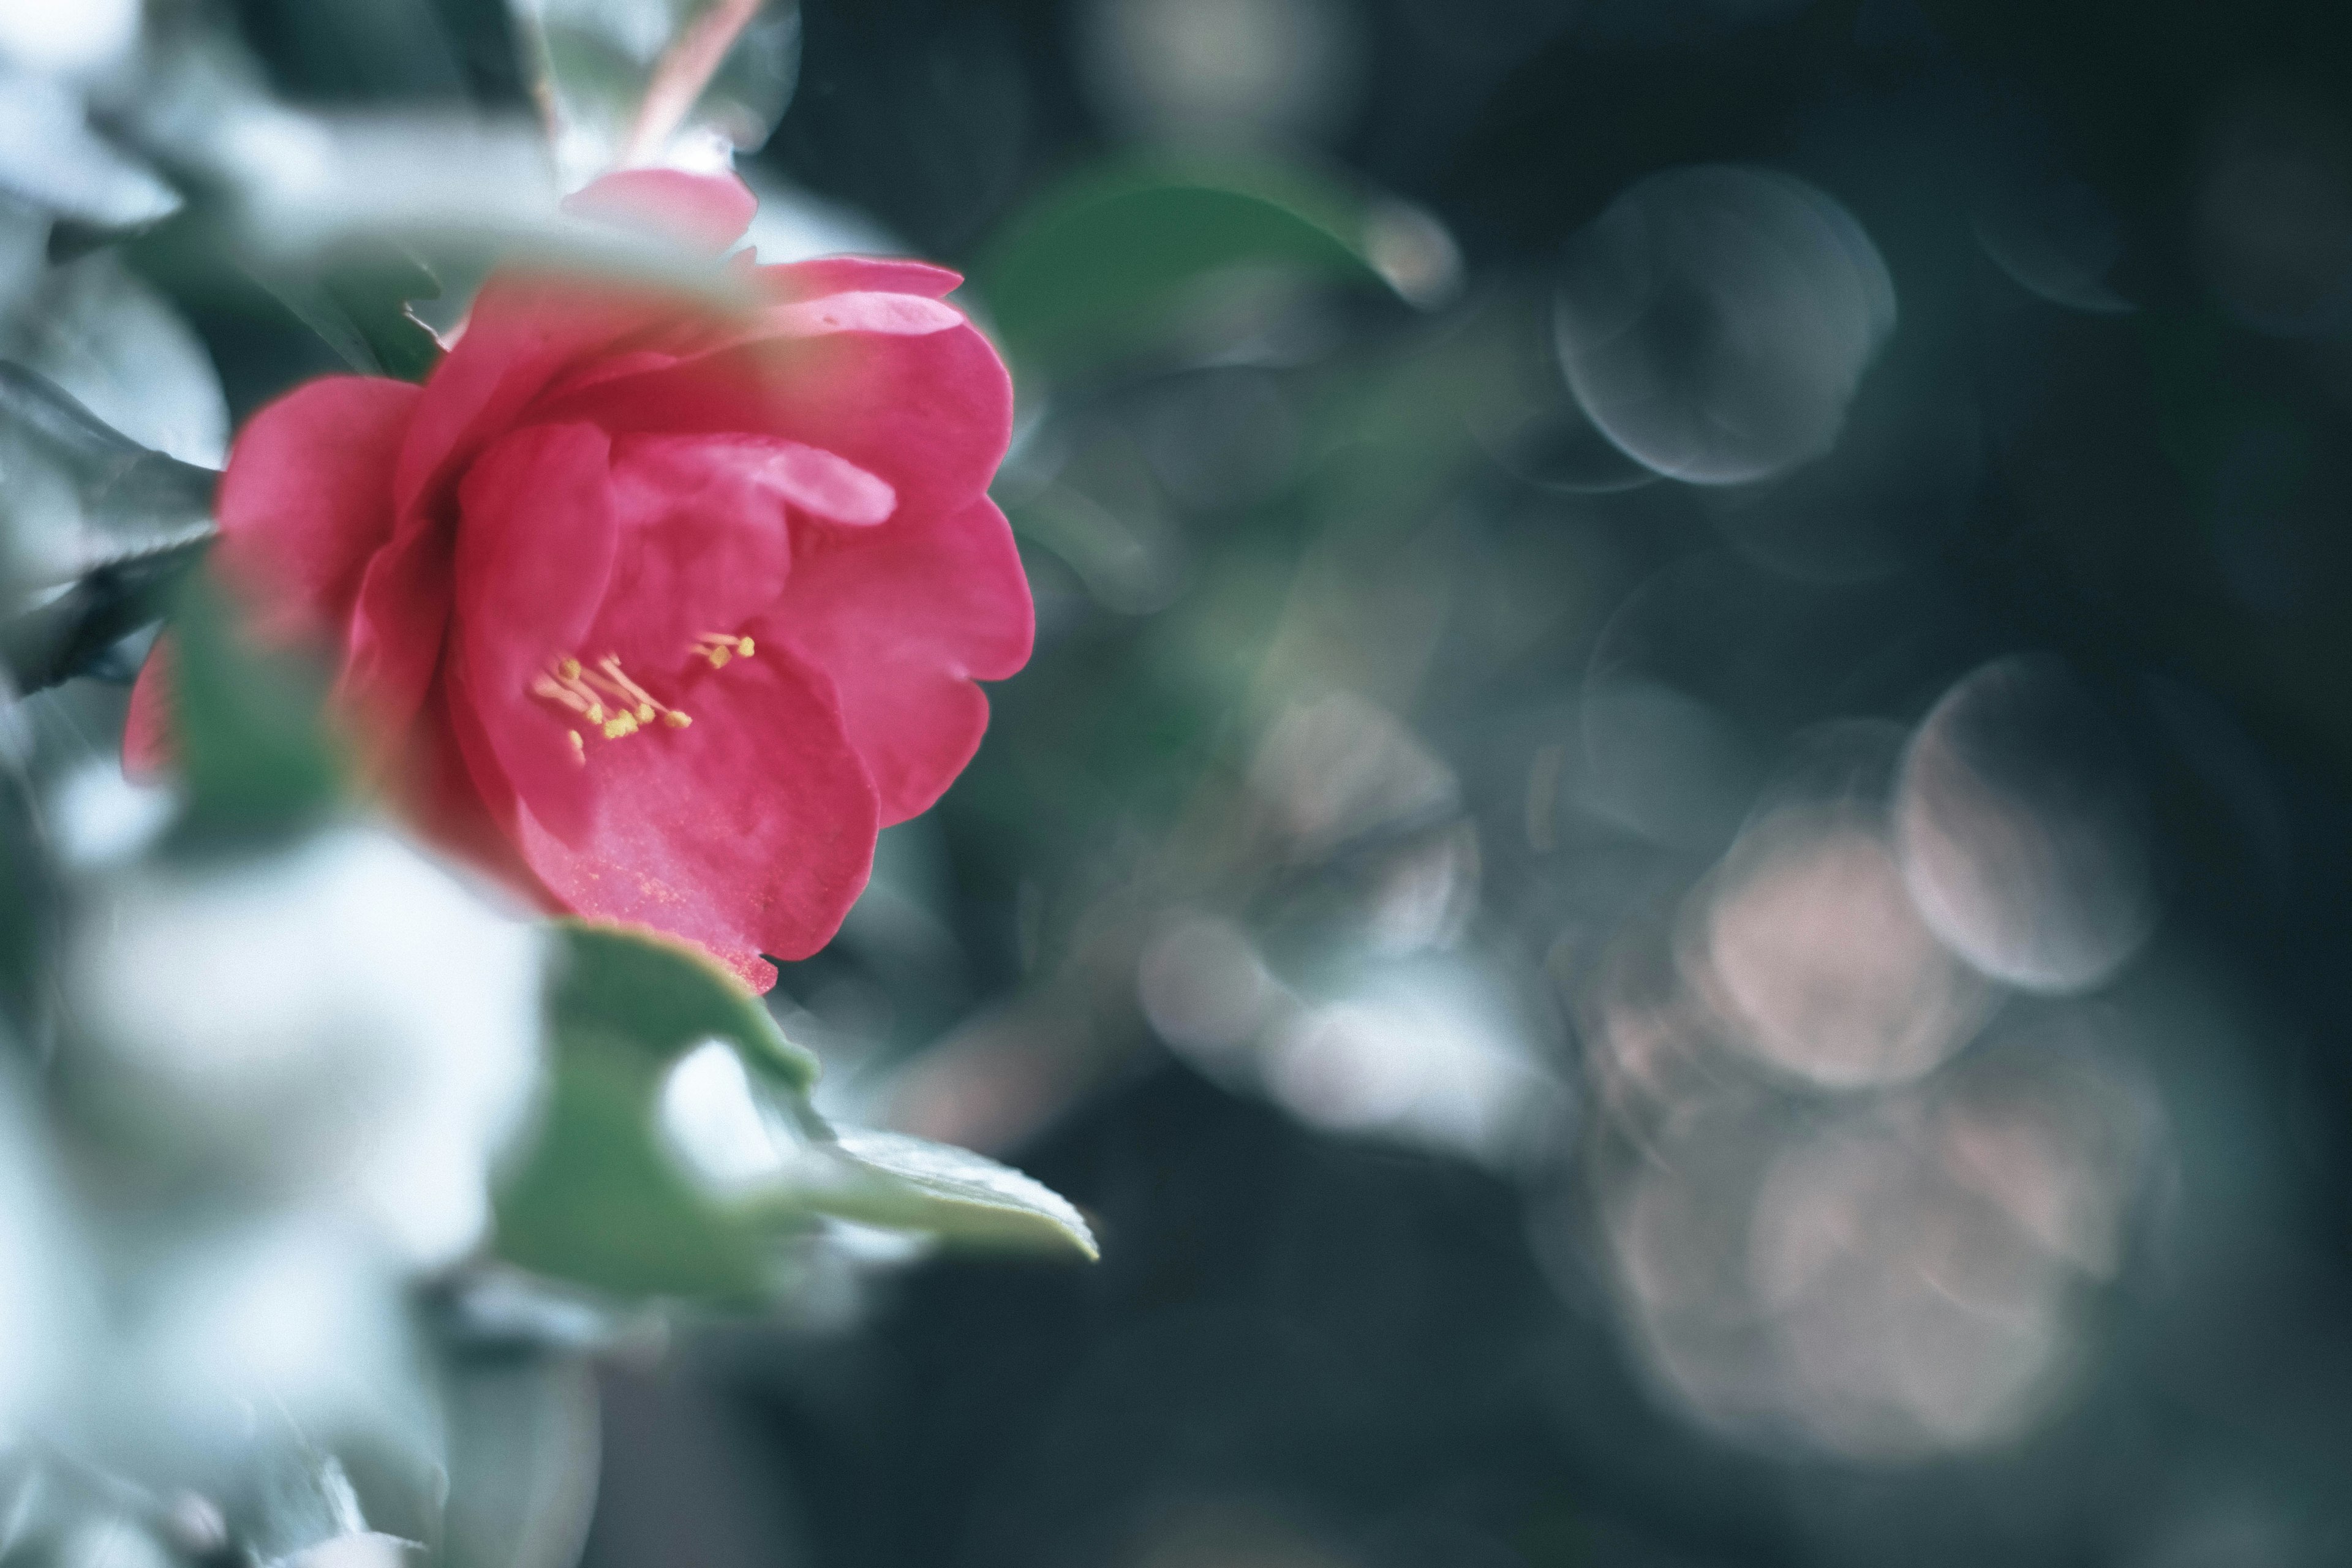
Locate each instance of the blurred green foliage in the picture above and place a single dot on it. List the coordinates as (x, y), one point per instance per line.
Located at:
(246, 730)
(599, 1202)
(1100, 268)
(665, 998)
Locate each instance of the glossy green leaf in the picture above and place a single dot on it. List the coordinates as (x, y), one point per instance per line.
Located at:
(1102, 265)
(246, 727)
(599, 1202)
(80, 492)
(900, 1183)
(375, 297)
(664, 998)
(139, 520)
(606, 1200)
(361, 309)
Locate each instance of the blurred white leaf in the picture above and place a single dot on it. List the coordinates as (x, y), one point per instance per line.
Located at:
(121, 350)
(458, 191)
(367, 1549)
(38, 1268)
(67, 39)
(106, 446)
(50, 159)
(97, 818)
(345, 1020)
(208, 1324)
(316, 1505)
(109, 1543)
(308, 183)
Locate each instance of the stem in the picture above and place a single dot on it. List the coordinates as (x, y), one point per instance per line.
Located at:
(685, 69)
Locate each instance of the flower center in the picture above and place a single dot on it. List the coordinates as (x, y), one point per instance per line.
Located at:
(605, 699)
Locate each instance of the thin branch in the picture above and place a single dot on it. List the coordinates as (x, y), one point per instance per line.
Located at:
(685, 69)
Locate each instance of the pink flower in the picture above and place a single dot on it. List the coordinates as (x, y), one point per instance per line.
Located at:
(660, 615)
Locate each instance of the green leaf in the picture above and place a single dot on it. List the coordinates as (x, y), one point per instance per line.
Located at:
(53, 161)
(900, 1183)
(359, 307)
(147, 515)
(246, 725)
(600, 1202)
(144, 498)
(83, 631)
(665, 998)
(375, 296)
(604, 1199)
(1103, 264)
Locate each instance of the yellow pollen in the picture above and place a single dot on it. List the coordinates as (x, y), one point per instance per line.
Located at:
(605, 699)
(720, 646)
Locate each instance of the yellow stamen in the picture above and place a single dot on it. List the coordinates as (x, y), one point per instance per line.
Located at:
(570, 694)
(605, 698)
(630, 693)
(720, 646)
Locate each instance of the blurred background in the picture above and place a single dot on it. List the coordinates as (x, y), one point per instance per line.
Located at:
(1672, 876)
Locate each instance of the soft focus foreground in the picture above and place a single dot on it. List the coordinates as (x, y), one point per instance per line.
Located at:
(1669, 877)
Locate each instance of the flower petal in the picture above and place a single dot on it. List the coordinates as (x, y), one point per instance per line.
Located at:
(525, 332)
(832, 488)
(709, 212)
(749, 832)
(437, 790)
(396, 627)
(147, 750)
(843, 274)
(896, 315)
(306, 500)
(535, 546)
(705, 542)
(902, 618)
(710, 481)
(928, 416)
